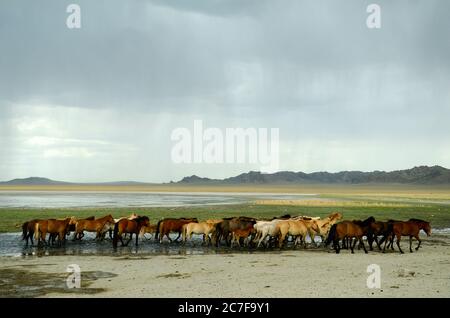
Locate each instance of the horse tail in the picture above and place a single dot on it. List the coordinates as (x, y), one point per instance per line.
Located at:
(24, 230)
(184, 232)
(331, 235)
(116, 234)
(36, 231)
(157, 229)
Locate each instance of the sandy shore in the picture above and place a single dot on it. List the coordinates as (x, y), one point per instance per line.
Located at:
(290, 273)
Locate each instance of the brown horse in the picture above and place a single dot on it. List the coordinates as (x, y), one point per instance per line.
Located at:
(238, 234)
(97, 225)
(129, 226)
(347, 229)
(72, 225)
(225, 228)
(409, 228)
(165, 226)
(28, 231)
(378, 228)
(51, 226)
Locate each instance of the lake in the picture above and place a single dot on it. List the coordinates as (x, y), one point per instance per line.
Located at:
(72, 199)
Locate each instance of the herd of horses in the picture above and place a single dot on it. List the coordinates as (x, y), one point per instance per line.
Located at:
(241, 231)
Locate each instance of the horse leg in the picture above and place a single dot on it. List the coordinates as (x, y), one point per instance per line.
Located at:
(137, 237)
(378, 243)
(119, 235)
(337, 247)
(260, 241)
(179, 234)
(385, 243)
(129, 240)
(398, 243)
(352, 245)
(418, 238)
(410, 244)
(281, 240)
(361, 242)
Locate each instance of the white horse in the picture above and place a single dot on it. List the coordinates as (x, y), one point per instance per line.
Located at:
(264, 229)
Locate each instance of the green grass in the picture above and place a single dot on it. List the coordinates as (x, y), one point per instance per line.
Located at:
(439, 215)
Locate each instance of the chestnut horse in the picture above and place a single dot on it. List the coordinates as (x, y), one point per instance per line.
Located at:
(51, 226)
(97, 225)
(238, 234)
(129, 226)
(28, 231)
(409, 228)
(165, 226)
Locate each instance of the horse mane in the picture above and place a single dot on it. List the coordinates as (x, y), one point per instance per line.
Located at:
(418, 220)
(140, 219)
(369, 220)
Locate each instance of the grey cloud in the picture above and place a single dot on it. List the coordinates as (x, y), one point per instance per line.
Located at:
(312, 68)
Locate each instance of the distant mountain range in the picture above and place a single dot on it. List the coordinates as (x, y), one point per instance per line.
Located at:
(416, 175)
(46, 181)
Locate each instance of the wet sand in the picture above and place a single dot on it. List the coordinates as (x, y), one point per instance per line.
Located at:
(289, 273)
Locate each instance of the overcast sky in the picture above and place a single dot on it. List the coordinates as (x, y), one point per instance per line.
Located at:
(99, 103)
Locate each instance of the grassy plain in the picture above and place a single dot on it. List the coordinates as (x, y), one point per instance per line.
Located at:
(354, 201)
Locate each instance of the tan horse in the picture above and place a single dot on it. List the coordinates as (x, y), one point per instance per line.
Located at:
(205, 228)
(299, 229)
(98, 226)
(150, 229)
(324, 226)
(51, 226)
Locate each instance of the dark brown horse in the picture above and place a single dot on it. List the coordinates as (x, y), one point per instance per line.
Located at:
(349, 229)
(378, 228)
(228, 225)
(129, 226)
(409, 228)
(166, 226)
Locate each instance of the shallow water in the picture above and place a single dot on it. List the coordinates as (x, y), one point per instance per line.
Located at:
(70, 199)
(11, 244)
